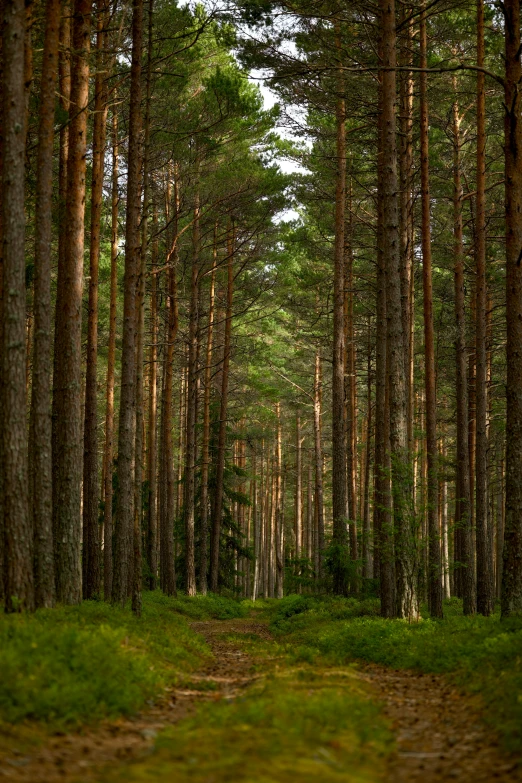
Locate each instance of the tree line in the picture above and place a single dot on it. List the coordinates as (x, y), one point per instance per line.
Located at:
(199, 392)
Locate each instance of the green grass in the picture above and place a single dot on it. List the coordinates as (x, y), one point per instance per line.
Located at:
(74, 665)
(482, 655)
(297, 724)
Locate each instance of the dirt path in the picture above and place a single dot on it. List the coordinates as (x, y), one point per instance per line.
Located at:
(440, 736)
(77, 757)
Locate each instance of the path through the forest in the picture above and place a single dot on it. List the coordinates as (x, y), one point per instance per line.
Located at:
(439, 734)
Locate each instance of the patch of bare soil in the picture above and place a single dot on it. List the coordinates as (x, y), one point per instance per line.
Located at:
(78, 757)
(440, 735)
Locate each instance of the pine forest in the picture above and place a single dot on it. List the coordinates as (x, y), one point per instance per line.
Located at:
(261, 391)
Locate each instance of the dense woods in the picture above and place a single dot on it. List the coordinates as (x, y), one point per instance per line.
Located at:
(261, 341)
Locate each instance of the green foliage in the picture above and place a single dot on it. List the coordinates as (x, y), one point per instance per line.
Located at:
(481, 654)
(78, 664)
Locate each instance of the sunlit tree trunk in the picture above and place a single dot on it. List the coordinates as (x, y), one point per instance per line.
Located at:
(152, 479)
(318, 460)
(67, 379)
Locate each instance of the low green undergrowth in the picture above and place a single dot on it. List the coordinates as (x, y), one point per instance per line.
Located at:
(298, 724)
(483, 655)
(75, 665)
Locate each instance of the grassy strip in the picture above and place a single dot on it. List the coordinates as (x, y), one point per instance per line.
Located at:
(74, 665)
(483, 655)
(298, 723)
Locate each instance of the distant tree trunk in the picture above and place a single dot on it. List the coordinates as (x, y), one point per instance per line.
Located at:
(485, 589)
(384, 556)
(190, 438)
(111, 354)
(463, 531)
(366, 542)
(351, 387)
(19, 586)
(205, 450)
(298, 489)
(217, 506)
(127, 418)
(67, 378)
(40, 445)
(512, 567)
(318, 459)
(279, 521)
(152, 516)
(339, 485)
(405, 534)
(91, 537)
(166, 494)
(434, 553)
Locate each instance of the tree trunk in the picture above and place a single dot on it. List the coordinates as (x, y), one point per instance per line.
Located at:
(404, 518)
(298, 491)
(152, 516)
(318, 458)
(434, 553)
(512, 567)
(127, 419)
(205, 449)
(463, 532)
(366, 542)
(485, 589)
(40, 445)
(111, 355)
(91, 537)
(67, 379)
(217, 507)
(339, 485)
(279, 527)
(19, 586)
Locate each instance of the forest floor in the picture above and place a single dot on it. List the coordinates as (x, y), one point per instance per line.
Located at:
(253, 713)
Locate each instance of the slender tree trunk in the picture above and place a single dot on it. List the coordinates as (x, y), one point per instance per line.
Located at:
(19, 586)
(512, 567)
(279, 484)
(166, 497)
(434, 553)
(339, 485)
(485, 590)
(91, 537)
(152, 517)
(463, 531)
(298, 491)
(217, 506)
(351, 390)
(318, 458)
(111, 355)
(40, 446)
(205, 451)
(190, 442)
(67, 380)
(405, 534)
(366, 543)
(127, 419)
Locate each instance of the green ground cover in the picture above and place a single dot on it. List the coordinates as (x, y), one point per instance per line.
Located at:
(482, 655)
(74, 665)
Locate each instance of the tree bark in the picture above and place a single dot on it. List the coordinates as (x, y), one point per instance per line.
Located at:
(512, 567)
(404, 517)
(205, 449)
(434, 544)
(217, 507)
(91, 536)
(41, 445)
(127, 417)
(111, 355)
(485, 589)
(18, 571)
(67, 379)
(152, 480)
